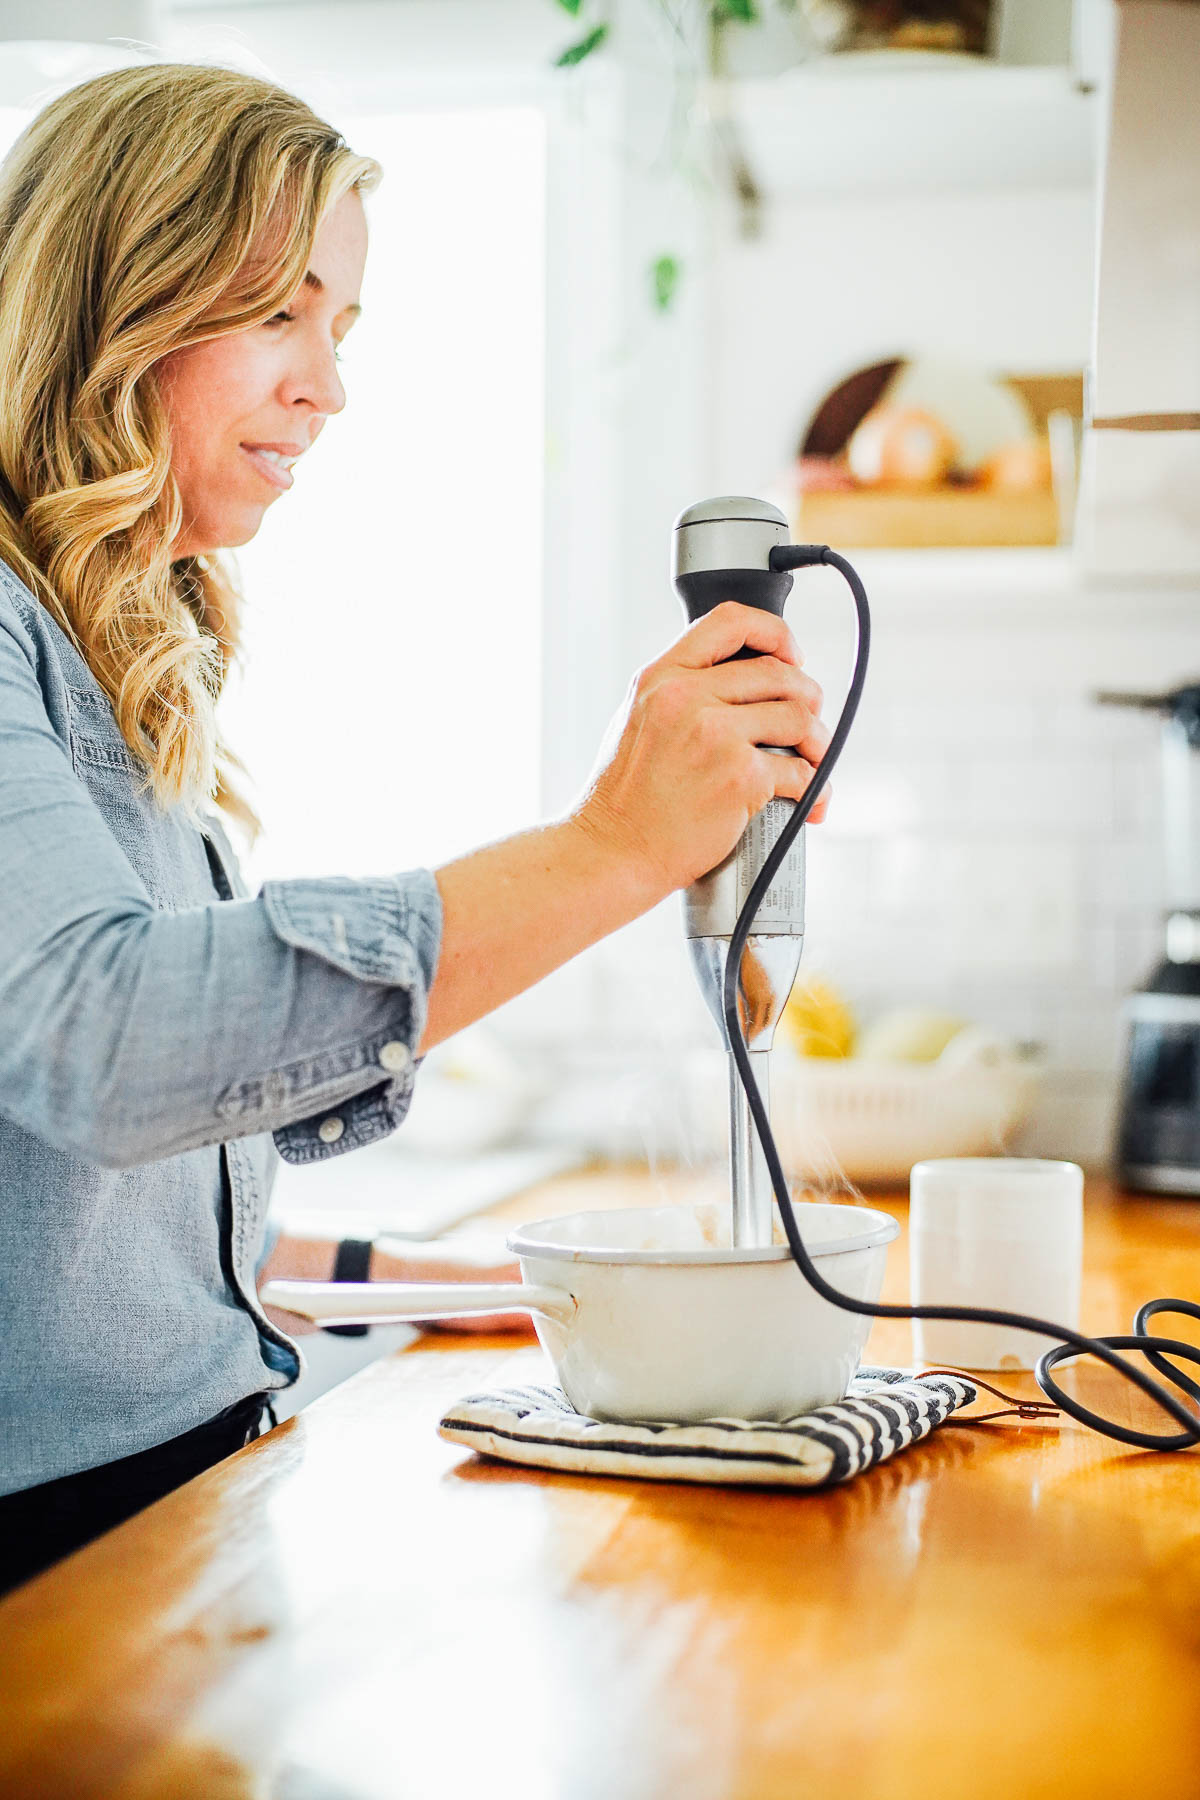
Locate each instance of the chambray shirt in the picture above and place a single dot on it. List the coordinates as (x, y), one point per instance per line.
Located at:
(164, 1038)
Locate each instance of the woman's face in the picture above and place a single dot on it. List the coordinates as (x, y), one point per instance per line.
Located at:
(243, 407)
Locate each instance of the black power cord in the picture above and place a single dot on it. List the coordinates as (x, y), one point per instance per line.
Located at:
(1068, 1343)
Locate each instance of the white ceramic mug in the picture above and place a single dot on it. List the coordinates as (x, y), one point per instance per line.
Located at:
(994, 1231)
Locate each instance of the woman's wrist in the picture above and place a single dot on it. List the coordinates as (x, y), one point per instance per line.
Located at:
(621, 862)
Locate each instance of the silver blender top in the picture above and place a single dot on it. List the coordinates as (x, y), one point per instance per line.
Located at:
(730, 506)
(732, 531)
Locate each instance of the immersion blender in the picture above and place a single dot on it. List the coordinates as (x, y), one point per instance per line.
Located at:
(721, 551)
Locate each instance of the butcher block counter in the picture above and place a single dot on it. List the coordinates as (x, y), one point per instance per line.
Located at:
(351, 1609)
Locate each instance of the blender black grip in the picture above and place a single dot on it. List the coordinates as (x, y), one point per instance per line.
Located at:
(723, 549)
(704, 589)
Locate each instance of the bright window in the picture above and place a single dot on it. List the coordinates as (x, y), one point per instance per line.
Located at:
(389, 706)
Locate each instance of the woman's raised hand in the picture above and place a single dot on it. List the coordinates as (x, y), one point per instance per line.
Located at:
(682, 769)
(681, 774)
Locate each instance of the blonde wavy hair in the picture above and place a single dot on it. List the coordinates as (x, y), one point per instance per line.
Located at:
(141, 212)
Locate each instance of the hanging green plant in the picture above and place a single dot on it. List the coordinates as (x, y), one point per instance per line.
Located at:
(575, 53)
(664, 273)
(715, 16)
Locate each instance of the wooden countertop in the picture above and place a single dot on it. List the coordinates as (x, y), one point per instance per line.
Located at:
(351, 1609)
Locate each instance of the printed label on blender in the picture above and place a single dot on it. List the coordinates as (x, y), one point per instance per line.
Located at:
(783, 902)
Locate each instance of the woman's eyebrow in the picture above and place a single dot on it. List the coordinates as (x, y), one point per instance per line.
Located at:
(314, 282)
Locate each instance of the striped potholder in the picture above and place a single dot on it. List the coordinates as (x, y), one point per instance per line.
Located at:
(885, 1410)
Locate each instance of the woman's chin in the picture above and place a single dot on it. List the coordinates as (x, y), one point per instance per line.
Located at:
(228, 532)
(240, 534)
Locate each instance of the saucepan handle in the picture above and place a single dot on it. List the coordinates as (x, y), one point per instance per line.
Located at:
(374, 1302)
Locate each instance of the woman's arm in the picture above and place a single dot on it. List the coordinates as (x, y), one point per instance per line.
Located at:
(513, 912)
(684, 778)
(312, 1259)
(128, 1033)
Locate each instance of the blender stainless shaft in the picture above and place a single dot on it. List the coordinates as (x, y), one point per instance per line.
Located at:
(721, 552)
(768, 969)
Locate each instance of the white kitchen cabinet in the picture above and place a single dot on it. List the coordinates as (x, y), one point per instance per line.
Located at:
(1140, 511)
(916, 123)
(1148, 309)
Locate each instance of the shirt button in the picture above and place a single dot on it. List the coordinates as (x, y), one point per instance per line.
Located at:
(330, 1130)
(395, 1058)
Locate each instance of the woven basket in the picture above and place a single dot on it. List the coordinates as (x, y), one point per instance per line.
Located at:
(872, 1121)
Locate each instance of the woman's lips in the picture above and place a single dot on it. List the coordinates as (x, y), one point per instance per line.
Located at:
(269, 468)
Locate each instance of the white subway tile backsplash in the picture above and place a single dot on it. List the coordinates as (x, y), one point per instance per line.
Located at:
(1073, 1119)
(1003, 724)
(1078, 1031)
(1098, 938)
(1125, 873)
(1139, 948)
(1120, 951)
(904, 963)
(994, 849)
(994, 904)
(841, 874)
(1112, 730)
(1065, 795)
(1137, 797)
(907, 869)
(896, 791)
(874, 798)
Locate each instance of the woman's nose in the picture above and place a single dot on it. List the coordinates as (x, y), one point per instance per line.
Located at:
(314, 381)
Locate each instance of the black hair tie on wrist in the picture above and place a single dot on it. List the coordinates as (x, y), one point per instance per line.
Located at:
(352, 1263)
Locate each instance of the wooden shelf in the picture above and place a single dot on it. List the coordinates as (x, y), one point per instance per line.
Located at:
(946, 518)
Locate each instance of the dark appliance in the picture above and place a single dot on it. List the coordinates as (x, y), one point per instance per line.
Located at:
(1158, 1138)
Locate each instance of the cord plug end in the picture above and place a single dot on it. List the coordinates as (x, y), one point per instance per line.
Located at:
(797, 556)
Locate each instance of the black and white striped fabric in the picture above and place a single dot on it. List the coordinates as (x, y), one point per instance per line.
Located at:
(884, 1411)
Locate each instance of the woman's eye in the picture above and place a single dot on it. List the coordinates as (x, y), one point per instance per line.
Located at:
(281, 318)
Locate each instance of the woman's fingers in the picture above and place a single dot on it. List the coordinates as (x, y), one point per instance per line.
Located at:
(471, 1267)
(681, 771)
(491, 1324)
(729, 628)
(786, 724)
(764, 678)
(791, 776)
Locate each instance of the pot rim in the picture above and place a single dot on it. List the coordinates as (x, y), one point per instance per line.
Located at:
(525, 1242)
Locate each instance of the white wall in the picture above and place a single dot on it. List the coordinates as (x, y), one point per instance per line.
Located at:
(995, 846)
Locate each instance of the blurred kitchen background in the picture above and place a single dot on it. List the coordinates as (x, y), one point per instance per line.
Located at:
(849, 257)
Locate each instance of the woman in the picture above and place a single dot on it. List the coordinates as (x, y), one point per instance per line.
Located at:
(181, 250)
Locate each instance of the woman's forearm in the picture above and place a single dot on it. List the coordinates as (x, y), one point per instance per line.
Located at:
(517, 910)
(475, 1259)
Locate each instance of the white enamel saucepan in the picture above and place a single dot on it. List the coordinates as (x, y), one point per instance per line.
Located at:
(647, 1313)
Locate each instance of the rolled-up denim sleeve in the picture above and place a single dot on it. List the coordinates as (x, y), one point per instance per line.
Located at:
(379, 932)
(128, 1033)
